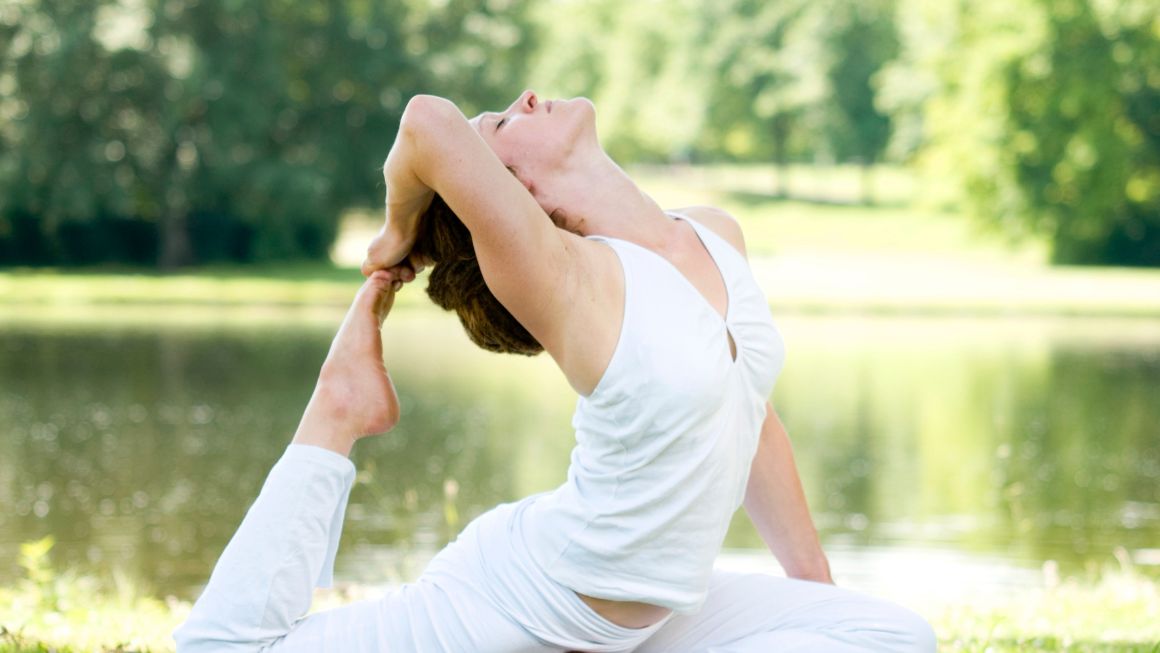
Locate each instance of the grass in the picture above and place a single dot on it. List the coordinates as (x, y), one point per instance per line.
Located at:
(50, 611)
(1120, 613)
(824, 252)
(214, 286)
(824, 214)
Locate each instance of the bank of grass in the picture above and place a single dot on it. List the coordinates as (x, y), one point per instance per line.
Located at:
(824, 251)
(286, 285)
(821, 251)
(1118, 614)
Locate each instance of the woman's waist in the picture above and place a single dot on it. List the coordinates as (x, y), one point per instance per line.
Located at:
(635, 573)
(627, 614)
(521, 587)
(530, 527)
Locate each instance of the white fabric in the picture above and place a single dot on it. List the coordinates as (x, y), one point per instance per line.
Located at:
(284, 547)
(485, 594)
(665, 442)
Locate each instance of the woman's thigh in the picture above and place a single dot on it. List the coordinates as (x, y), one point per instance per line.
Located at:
(758, 613)
(421, 618)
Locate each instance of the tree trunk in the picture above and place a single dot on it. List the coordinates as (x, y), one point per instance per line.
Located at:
(176, 250)
(780, 156)
(867, 182)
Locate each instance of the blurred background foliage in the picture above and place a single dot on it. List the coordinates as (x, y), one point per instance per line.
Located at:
(203, 130)
(174, 132)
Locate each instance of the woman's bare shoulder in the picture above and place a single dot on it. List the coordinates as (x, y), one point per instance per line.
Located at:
(721, 222)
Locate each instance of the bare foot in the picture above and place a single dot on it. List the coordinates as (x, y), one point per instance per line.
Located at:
(354, 396)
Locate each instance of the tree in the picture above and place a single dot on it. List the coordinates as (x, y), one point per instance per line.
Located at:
(740, 79)
(219, 130)
(764, 68)
(477, 53)
(859, 38)
(48, 78)
(636, 61)
(290, 111)
(1045, 111)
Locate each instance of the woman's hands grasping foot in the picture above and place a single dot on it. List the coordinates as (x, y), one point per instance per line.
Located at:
(354, 396)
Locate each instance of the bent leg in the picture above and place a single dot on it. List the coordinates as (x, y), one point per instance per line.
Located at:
(421, 617)
(263, 584)
(287, 542)
(752, 613)
(261, 588)
(265, 578)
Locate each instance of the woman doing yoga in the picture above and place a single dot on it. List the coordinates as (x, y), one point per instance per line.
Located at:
(540, 241)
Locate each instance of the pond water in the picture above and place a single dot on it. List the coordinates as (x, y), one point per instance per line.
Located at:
(975, 449)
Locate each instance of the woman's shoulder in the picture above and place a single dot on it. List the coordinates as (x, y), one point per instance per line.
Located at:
(719, 221)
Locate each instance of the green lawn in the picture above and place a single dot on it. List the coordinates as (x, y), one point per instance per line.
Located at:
(824, 213)
(1117, 610)
(1119, 613)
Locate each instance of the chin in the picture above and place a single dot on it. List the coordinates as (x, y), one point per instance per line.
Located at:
(586, 114)
(585, 105)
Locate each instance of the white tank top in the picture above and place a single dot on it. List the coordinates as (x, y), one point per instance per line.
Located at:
(665, 441)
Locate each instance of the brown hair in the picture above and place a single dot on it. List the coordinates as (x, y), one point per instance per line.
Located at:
(456, 284)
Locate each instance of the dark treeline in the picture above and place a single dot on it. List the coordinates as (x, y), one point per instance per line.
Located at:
(183, 131)
(190, 131)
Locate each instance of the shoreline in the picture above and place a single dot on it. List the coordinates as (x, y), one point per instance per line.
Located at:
(798, 284)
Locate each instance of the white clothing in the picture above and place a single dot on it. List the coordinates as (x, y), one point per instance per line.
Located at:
(665, 442)
(485, 594)
(664, 446)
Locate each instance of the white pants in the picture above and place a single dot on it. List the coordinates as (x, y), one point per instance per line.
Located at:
(484, 594)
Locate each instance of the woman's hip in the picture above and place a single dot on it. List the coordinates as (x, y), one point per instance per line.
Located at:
(491, 556)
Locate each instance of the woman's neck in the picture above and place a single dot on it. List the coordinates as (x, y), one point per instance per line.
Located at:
(596, 197)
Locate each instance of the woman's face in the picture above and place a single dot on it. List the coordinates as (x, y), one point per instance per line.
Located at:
(537, 137)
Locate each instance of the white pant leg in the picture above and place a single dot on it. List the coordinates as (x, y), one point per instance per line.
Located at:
(757, 613)
(418, 618)
(285, 546)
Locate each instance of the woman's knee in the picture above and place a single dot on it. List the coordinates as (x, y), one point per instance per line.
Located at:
(904, 631)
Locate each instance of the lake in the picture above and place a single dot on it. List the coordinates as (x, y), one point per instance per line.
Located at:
(934, 450)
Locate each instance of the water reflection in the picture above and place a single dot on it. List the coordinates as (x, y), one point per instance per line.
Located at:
(1029, 439)
(140, 449)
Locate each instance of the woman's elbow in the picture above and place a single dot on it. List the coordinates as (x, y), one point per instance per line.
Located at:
(427, 112)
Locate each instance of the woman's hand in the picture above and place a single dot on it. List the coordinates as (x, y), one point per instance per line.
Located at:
(818, 571)
(391, 251)
(407, 197)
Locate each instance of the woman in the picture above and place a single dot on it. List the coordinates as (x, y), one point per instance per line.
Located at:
(655, 320)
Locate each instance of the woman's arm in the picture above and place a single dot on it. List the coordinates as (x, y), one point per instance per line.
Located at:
(527, 262)
(776, 503)
(774, 498)
(407, 198)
